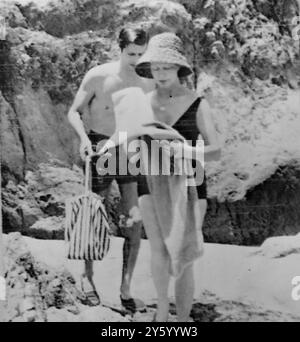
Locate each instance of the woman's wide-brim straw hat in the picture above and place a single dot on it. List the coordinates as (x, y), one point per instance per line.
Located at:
(164, 48)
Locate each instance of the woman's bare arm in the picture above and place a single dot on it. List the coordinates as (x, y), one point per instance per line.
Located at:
(206, 126)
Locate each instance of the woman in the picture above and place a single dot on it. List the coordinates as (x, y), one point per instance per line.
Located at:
(180, 107)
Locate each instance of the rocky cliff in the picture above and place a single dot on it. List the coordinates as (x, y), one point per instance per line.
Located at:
(246, 59)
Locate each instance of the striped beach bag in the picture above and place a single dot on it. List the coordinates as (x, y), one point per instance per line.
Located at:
(87, 231)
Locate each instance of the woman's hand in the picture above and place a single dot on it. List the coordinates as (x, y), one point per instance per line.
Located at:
(178, 149)
(183, 150)
(200, 137)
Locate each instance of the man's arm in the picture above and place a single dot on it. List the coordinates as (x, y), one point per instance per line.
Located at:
(84, 95)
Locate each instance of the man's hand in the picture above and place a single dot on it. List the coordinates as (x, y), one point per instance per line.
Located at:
(132, 218)
(85, 148)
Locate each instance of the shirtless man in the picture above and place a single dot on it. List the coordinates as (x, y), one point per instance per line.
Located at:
(94, 101)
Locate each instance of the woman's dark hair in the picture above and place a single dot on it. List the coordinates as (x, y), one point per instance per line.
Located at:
(129, 36)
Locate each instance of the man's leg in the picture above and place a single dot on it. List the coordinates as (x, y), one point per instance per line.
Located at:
(132, 235)
(100, 185)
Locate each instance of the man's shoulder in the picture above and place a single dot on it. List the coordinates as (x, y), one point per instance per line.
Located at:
(102, 71)
(105, 70)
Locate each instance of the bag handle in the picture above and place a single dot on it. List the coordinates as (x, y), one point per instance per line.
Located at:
(87, 175)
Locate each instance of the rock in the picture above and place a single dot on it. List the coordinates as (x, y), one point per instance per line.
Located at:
(55, 186)
(11, 187)
(256, 145)
(12, 152)
(29, 316)
(280, 247)
(20, 211)
(12, 13)
(27, 305)
(49, 176)
(43, 194)
(256, 183)
(47, 140)
(46, 294)
(61, 18)
(12, 221)
(33, 287)
(29, 214)
(48, 228)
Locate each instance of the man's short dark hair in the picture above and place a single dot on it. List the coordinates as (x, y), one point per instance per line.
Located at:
(137, 36)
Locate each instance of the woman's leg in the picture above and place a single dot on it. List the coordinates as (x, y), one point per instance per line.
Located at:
(184, 285)
(202, 203)
(159, 257)
(203, 208)
(184, 293)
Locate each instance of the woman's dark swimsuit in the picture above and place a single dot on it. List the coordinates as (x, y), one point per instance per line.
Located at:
(186, 125)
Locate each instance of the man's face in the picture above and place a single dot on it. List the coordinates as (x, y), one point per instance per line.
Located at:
(132, 53)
